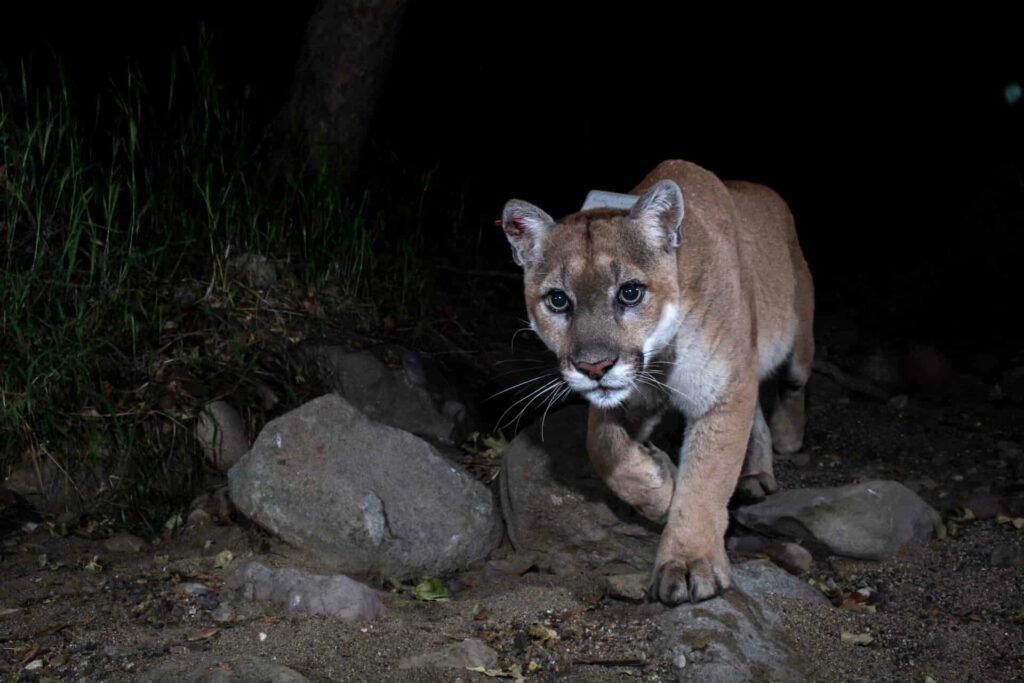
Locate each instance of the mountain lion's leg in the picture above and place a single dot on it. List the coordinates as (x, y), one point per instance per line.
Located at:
(638, 473)
(691, 563)
(788, 419)
(757, 479)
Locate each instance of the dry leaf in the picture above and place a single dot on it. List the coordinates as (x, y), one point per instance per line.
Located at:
(861, 639)
(28, 654)
(514, 672)
(545, 635)
(204, 634)
(223, 559)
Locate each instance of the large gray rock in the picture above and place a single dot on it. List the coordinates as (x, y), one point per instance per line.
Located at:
(362, 496)
(872, 520)
(740, 635)
(555, 504)
(408, 397)
(210, 668)
(301, 592)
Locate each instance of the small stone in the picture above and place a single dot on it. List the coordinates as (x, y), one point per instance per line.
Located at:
(34, 665)
(224, 613)
(792, 557)
(125, 543)
(1007, 556)
(301, 592)
(193, 589)
(679, 661)
(629, 587)
(221, 432)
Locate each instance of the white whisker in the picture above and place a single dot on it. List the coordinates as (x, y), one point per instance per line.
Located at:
(516, 386)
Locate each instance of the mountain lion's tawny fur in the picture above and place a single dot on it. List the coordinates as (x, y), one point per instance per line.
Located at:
(687, 301)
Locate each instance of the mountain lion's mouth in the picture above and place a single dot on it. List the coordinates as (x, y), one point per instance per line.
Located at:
(606, 397)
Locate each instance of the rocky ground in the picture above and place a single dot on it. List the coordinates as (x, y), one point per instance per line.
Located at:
(441, 593)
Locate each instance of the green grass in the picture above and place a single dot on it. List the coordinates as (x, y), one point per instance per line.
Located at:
(109, 208)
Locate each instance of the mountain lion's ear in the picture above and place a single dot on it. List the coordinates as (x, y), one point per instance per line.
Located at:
(660, 212)
(526, 226)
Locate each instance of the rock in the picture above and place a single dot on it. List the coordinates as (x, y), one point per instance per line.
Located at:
(300, 592)
(193, 589)
(124, 542)
(469, 653)
(403, 397)
(221, 432)
(363, 496)
(555, 504)
(195, 667)
(792, 557)
(927, 368)
(1008, 450)
(984, 505)
(630, 587)
(224, 613)
(1008, 556)
(871, 520)
(762, 578)
(739, 636)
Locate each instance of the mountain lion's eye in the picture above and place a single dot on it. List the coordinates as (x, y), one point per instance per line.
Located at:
(558, 301)
(631, 293)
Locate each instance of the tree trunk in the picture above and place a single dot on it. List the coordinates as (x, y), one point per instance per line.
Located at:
(338, 80)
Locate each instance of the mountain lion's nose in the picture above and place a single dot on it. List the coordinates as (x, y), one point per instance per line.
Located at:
(595, 370)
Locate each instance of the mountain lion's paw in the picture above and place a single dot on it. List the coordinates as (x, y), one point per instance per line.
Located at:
(754, 488)
(680, 579)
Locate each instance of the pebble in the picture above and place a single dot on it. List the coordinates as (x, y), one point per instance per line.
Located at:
(630, 587)
(792, 557)
(224, 613)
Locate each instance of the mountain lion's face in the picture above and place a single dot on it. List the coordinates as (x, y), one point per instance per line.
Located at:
(602, 288)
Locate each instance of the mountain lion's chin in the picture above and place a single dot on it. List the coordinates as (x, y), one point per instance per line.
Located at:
(607, 398)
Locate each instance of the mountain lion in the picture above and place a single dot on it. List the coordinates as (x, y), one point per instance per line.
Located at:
(649, 311)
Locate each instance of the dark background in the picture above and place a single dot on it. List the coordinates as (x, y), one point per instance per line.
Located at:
(892, 139)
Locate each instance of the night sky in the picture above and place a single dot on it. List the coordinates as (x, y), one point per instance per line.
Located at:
(896, 142)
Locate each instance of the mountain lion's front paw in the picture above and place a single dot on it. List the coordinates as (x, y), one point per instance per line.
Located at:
(689, 576)
(754, 488)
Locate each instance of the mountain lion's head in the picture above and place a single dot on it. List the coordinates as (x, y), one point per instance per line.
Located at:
(602, 288)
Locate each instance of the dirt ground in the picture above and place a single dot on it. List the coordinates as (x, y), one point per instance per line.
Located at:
(72, 610)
